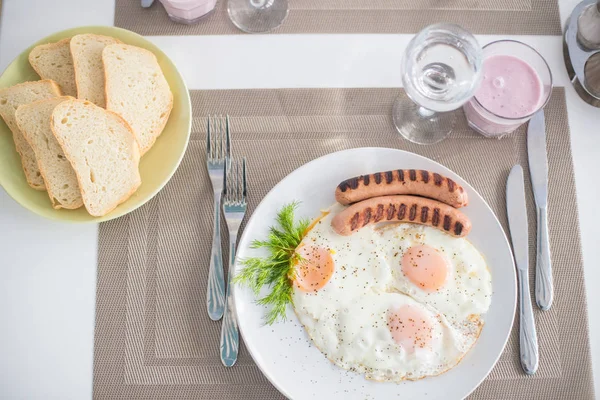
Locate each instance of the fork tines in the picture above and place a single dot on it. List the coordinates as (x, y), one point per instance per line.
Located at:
(218, 140)
(235, 182)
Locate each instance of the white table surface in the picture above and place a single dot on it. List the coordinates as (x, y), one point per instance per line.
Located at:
(48, 269)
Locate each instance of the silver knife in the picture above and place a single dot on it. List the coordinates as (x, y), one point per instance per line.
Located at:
(538, 168)
(517, 222)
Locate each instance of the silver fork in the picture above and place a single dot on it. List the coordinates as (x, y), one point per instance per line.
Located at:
(234, 208)
(217, 154)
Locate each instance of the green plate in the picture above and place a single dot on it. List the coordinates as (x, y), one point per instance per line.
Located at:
(156, 166)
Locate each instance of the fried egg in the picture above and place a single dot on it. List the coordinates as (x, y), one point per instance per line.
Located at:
(438, 270)
(365, 314)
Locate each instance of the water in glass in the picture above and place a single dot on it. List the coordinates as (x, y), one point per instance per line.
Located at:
(441, 69)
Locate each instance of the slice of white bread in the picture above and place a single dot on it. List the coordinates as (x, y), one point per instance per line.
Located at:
(86, 50)
(53, 61)
(10, 99)
(137, 90)
(33, 120)
(101, 149)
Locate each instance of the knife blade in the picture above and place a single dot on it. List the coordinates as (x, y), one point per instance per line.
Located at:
(538, 169)
(516, 210)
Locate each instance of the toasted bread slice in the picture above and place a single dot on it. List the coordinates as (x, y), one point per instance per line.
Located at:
(10, 99)
(86, 50)
(137, 90)
(102, 151)
(53, 61)
(33, 120)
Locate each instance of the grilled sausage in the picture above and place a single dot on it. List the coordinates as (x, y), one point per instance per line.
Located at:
(413, 209)
(402, 181)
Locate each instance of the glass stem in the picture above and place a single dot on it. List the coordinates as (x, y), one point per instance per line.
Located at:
(425, 112)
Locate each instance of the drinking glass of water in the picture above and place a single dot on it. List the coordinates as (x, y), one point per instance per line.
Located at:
(441, 70)
(257, 16)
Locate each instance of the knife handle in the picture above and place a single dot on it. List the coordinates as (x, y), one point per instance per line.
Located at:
(528, 343)
(544, 290)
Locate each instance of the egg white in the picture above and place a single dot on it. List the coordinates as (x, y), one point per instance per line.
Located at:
(347, 318)
(356, 337)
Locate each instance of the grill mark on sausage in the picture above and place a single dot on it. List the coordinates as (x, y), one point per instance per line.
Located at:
(425, 176)
(366, 180)
(351, 183)
(447, 221)
(412, 174)
(378, 178)
(354, 222)
(413, 212)
(401, 175)
(367, 218)
(458, 227)
(389, 177)
(402, 208)
(424, 214)
(402, 211)
(435, 218)
(379, 213)
(451, 185)
(437, 179)
(391, 211)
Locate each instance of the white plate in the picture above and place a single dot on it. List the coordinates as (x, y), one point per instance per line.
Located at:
(284, 352)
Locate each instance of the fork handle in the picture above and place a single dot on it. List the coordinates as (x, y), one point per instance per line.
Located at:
(215, 293)
(230, 341)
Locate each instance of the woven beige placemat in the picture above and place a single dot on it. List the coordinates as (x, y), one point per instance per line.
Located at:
(517, 17)
(153, 336)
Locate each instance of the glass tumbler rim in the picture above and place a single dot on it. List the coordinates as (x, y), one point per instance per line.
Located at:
(546, 100)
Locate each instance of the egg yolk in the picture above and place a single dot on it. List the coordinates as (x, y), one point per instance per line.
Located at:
(314, 270)
(410, 328)
(425, 267)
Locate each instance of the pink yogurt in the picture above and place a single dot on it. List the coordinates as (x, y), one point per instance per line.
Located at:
(188, 11)
(511, 90)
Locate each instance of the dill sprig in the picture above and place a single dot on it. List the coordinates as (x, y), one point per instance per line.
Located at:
(277, 269)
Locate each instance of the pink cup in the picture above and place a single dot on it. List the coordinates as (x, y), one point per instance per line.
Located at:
(188, 11)
(517, 83)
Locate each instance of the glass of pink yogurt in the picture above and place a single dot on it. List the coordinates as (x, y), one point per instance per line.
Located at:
(188, 11)
(516, 83)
